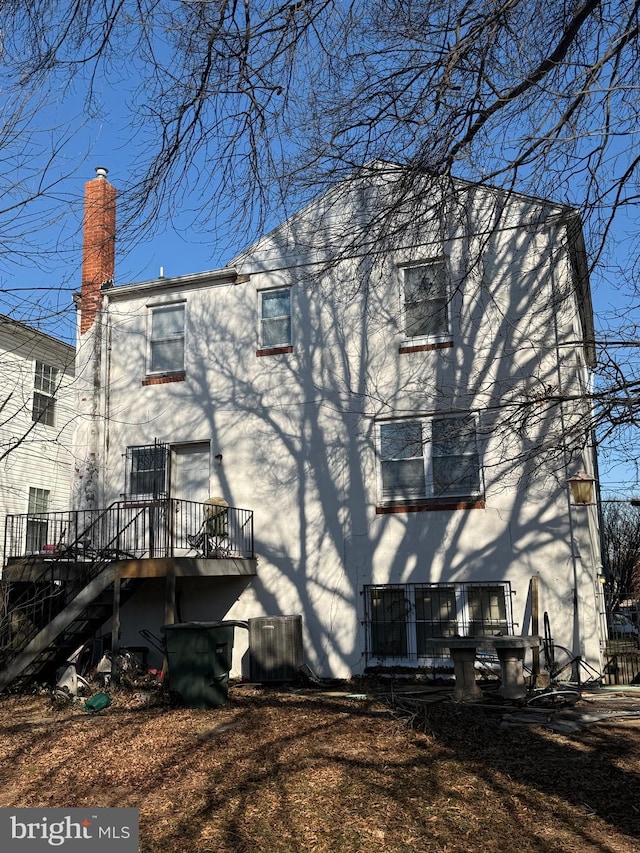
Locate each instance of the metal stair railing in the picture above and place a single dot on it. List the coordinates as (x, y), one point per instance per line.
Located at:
(64, 577)
(125, 529)
(53, 643)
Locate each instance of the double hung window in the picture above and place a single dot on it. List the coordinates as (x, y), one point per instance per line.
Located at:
(37, 521)
(435, 457)
(44, 388)
(166, 339)
(426, 303)
(275, 318)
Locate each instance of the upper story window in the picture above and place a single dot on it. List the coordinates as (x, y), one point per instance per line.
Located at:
(166, 339)
(429, 458)
(275, 319)
(426, 302)
(45, 384)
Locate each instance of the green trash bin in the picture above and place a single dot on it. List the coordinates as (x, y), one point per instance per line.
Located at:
(199, 661)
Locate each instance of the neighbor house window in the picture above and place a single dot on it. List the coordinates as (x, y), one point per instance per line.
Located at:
(402, 620)
(434, 457)
(275, 318)
(44, 388)
(147, 471)
(37, 522)
(166, 339)
(426, 310)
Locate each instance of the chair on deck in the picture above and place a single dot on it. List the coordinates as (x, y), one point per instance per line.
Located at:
(212, 539)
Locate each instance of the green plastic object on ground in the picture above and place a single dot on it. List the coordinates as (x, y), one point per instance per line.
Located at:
(199, 657)
(97, 703)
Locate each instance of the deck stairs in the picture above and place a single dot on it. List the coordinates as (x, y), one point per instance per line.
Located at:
(46, 618)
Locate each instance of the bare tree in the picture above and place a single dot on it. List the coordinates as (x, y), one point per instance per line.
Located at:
(278, 99)
(253, 108)
(621, 536)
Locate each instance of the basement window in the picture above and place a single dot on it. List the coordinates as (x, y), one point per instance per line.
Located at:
(402, 619)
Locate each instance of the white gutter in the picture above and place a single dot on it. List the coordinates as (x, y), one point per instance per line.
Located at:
(228, 275)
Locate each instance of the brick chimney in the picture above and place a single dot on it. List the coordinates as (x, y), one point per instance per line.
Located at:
(99, 237)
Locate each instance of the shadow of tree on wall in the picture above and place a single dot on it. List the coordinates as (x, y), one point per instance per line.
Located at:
(297, 431)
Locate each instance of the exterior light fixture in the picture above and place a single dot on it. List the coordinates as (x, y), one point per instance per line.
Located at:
(218, 458)
(582, 489)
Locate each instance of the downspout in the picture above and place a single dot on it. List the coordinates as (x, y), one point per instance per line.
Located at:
(103, 393)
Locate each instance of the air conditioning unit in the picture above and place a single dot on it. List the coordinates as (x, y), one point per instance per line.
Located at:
(275, 648)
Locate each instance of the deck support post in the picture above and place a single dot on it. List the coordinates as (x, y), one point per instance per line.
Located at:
(169, 606)
(115, 631)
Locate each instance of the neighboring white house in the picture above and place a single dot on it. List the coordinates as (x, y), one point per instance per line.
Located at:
(37, 407)
(399, 401)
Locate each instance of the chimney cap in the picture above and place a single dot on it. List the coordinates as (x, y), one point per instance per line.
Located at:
(101, 172)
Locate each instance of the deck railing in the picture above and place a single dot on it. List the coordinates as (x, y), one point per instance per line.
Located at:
(131, 530)
(51, 557)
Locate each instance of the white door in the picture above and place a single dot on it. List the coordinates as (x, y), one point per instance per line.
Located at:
(190, 469)
(190, 472)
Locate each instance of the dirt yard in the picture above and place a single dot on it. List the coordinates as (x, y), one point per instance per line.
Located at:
(291, 772)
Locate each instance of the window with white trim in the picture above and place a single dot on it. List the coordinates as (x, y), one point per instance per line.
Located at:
(37, 520)
(434, 457)
(45, 383)
(166, 339)
(426, 301)
(275, 318)
(402, 619)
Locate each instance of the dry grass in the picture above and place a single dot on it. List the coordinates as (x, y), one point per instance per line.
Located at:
(287, 772)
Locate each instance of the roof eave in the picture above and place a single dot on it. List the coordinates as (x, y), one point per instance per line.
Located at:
(228, 275)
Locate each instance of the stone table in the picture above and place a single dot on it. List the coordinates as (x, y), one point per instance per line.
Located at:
(463, 654)
(510, 650)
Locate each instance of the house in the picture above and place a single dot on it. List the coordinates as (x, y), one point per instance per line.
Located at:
(36, 428)
(384, 399)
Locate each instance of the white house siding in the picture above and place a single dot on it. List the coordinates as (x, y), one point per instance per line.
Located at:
(35, 455)
(297, 431)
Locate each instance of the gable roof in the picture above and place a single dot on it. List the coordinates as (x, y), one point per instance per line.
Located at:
(29, 336)
(309, 226)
